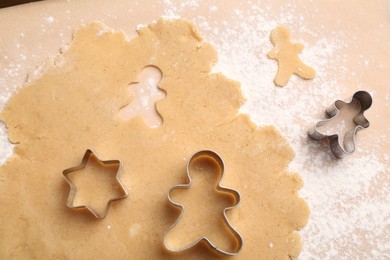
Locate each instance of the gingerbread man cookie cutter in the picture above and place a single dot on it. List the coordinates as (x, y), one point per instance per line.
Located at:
(73, 188)
(213, 156)
(360, 122)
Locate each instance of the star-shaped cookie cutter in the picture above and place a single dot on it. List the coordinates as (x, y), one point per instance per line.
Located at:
(73, 188)
(360, 121)
(212, 155)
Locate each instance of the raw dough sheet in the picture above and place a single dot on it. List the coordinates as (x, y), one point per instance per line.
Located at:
(75, 106)
(346, 44)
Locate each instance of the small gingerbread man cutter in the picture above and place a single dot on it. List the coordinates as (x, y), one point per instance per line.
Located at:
(360, 122)
(212, 156)
(286, 53)
(73, 188)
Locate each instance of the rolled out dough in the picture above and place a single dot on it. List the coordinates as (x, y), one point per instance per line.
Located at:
(75, 105)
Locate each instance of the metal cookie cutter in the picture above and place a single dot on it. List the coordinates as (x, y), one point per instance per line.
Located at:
(213, 156)
(73, 188)
(360, 121)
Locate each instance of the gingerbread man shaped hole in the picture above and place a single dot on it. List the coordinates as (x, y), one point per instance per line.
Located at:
(145, 93)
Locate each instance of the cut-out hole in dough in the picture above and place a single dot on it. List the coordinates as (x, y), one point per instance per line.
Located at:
(145, 93)
(256, 157)
(343, 124)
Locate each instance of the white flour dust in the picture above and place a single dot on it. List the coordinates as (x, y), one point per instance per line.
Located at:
(347, 218)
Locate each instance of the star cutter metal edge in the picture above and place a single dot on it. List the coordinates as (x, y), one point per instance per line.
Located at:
(73, 188)
(218, 159)
(361, 122)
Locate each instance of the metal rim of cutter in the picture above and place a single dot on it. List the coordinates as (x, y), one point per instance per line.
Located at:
(218, 159)
(359, 120)
(73, 188)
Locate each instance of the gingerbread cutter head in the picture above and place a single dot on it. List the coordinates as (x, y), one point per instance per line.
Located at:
(73, 188)
(211, 155)
(360, 122)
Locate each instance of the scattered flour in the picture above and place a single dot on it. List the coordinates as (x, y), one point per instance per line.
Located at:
(104, 30)
(348, 218)
(49, 19)
(6, 149)
(134, 230)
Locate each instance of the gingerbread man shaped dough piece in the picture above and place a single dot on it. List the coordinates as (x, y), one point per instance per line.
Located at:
(286, 53)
